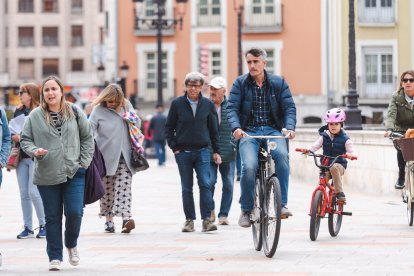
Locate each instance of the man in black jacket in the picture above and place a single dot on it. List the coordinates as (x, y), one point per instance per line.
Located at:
(157, 126)
(192, 125)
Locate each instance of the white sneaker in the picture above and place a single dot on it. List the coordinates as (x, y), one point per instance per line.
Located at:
(54, 265)
(73, 256)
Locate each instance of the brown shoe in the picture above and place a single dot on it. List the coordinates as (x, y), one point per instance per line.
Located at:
(223, 221)
(127, 226)
(208, 226)
(213, 216)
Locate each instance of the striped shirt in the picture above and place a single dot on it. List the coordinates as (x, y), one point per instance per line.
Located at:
(56, 121)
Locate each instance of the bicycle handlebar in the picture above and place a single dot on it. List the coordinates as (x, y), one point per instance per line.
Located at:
(315, 155)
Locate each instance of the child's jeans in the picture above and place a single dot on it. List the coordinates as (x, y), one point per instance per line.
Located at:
(337, 171)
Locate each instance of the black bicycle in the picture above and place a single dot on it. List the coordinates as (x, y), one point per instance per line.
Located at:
(266, 214)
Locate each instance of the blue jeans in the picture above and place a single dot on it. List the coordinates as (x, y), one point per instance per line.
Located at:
(29, 193)
(67, 196)
(238, 163)
(199, 161)
(249, 149)
(160, 151)
(227, 177)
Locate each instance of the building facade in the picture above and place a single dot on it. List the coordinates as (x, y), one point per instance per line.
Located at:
(44, 37)
(208, 43)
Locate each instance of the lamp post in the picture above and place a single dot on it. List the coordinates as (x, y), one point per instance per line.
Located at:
(238, 8)
(124, 68)
(353, 114)
(101, 75)
(159, 23)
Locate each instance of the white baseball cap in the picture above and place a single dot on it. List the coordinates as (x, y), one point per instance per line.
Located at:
(218, 83)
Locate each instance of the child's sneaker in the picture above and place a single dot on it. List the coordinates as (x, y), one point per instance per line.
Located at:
(25, 234)
(42, 232)
(340, 196)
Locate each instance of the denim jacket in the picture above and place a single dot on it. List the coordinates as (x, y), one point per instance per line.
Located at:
(5, 140)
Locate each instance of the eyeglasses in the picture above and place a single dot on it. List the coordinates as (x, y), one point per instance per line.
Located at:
(21, 92)
(408, 80)
(189, 86)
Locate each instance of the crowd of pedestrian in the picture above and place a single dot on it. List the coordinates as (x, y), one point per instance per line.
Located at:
(206, 135)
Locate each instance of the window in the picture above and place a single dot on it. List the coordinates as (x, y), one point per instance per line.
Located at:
(26, 6)
(50, 6)
(101, 35)
(263, 16)
(209, 13)
(378, 81)
(77, 65)
(50, 36)
(376, 11)
(101, 5)
(76, 6)
(77, 36)
(26, 69)
(50, 67)
(26, 37)
(215, 63)
(6, 37)
(270, 65)
(151, 70)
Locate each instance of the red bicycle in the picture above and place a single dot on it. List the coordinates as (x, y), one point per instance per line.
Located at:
(324, 199)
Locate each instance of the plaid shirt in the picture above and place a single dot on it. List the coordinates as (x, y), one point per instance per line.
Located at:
(261, 107)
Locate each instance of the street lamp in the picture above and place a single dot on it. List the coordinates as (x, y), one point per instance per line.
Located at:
(124, 69)
(101, 74)
(159, 24)
(353, 114)
(238, 8)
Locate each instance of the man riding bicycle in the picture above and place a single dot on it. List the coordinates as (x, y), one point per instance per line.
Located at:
(260, 104)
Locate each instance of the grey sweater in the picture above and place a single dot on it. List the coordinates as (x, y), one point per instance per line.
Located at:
(66, 152)
(112, 137)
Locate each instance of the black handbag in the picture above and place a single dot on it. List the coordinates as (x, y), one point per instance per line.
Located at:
(138, 161)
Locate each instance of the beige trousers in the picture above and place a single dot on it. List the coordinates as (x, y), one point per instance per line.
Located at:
(337, 171)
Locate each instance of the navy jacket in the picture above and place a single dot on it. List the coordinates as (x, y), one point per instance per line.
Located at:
(186, 132)
(157, 126)
(240, 105)
(334, 147)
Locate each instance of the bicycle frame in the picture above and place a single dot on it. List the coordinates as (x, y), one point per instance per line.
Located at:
(327, 190)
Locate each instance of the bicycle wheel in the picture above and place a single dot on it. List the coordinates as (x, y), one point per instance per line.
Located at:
(410, 212)
(335, 218)
(257, 218)
(271, 217)
(315, 216)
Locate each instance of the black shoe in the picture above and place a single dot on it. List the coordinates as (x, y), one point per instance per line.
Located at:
(399, 184)
(340, 196)
(238, 178)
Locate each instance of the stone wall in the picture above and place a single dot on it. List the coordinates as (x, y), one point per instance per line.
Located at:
(374, 172)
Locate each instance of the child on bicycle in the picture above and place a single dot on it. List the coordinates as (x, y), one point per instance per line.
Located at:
(334, 142)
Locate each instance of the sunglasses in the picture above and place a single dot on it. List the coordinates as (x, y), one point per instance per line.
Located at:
(21, 92)
(408, 80)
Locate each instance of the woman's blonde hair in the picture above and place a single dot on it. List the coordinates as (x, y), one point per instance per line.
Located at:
(112, 92)
(65, 112)
(34, 91)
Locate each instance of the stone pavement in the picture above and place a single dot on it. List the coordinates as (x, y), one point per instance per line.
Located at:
(376, 240)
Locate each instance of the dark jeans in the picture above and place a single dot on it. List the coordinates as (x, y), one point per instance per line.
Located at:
(199, 161)
(227, 177)
(67, 196)
(160, 151)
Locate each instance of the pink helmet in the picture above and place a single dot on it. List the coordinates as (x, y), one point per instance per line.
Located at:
(335, 115)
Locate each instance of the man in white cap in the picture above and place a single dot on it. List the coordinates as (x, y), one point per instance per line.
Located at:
(217, 88)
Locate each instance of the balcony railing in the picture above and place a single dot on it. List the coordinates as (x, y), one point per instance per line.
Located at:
(143, 23)
(265, 20)
(147, 90)
(376, 15)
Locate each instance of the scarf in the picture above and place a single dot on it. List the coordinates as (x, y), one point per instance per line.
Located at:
(135, 133)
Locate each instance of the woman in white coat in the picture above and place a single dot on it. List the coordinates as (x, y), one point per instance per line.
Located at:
(112, 137)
